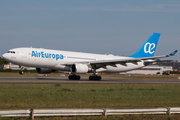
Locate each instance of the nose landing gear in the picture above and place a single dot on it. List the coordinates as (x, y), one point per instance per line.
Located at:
(21, 72)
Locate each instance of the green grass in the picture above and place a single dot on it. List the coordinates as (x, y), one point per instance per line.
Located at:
(26, 96)
(115, 117)
(21, 96)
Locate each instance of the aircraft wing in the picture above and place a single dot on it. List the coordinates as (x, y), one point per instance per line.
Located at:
(128, 60)
(100, 63)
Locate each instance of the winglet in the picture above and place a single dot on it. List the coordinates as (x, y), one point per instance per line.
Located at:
(173, 53)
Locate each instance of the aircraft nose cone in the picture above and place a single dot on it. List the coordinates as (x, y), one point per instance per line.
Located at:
(4, 56)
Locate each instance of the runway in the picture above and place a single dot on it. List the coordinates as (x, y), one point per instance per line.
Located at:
(84, 80)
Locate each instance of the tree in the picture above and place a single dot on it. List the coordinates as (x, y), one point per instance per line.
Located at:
(158, 59)
(3, 62)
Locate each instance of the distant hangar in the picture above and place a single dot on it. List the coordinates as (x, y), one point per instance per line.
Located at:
(152, 70)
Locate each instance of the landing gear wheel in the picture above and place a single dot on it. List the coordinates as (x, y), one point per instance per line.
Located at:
(98, 78)
(74, 77)
(21, 72)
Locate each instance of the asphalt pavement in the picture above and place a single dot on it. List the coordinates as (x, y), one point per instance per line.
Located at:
(105, 80)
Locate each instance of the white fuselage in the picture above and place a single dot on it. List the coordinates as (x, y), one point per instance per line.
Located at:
(59, 60)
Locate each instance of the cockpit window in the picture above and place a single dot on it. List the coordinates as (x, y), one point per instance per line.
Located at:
(11, 52)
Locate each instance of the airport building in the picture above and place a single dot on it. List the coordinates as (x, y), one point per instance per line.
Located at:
(152, 70)
(174, 64)
(17, 67)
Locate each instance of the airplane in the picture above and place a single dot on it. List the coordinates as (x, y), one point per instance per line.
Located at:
(48, 60)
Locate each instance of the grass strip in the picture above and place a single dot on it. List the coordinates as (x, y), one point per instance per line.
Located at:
(25, 96)
(115, 117)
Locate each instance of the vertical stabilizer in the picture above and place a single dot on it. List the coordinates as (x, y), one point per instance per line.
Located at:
(148, 48)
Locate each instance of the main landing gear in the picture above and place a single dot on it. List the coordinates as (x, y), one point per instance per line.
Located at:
(98, 78)
(94, 76)
(74, 77)
(77, 77)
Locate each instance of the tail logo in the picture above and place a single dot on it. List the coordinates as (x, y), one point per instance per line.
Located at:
(148, 48)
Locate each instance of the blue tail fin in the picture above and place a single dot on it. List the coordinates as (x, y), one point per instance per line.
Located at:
(148, 48)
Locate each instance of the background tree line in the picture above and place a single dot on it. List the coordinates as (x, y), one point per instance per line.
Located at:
(3, 62)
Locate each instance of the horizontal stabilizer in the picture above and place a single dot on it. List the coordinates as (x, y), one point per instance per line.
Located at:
(173, 53)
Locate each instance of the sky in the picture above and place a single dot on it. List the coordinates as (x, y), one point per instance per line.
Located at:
(118, 27)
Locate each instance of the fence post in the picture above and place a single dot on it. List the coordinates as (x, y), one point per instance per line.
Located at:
(104, 112)
(169, 111)
(32, 114)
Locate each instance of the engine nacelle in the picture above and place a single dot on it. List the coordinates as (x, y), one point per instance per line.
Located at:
(80, 68)
(44, 70)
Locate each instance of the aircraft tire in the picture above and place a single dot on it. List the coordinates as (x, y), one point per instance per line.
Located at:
(21, 72)
(97, 78)
(74, 77)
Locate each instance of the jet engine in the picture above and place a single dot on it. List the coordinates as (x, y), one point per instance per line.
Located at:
(78, 68)
(44, 70)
